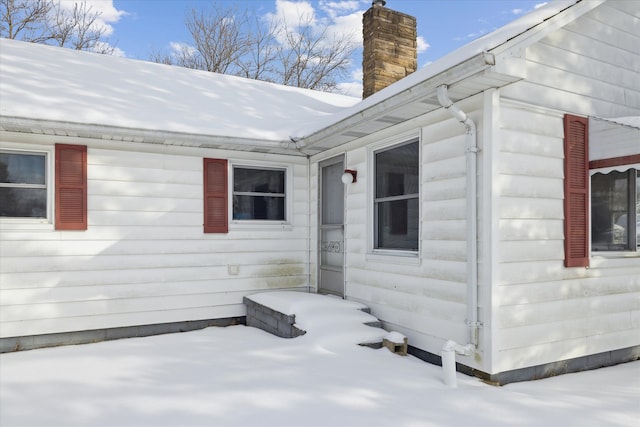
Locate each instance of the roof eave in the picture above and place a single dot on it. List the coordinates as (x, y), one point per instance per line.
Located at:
(466, 79)
(143, 136)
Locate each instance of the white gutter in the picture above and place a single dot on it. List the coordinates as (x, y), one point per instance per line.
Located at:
(411, 88)
(145, 136)
(450, 348)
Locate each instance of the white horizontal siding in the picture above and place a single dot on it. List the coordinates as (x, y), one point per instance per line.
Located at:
(145, 258)
(424, 297)
(588, 67)
(544, 311)
(148, 317)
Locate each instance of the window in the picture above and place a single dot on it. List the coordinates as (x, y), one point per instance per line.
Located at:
(607, 206)
(23, 184)
(259, 194)
(396, 202)
(615, 211)
(26, 190)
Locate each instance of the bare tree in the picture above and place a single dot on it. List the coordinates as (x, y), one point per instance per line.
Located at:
(78, 29)
(312, 58)
(218, 41)
(259, 62)
(45, 21)
(224, 40)
(219, 36)
(24, 19)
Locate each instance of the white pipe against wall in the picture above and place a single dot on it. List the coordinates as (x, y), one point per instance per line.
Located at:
(448, 353)
(450, 347)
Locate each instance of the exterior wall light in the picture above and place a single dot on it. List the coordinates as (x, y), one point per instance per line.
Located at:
(349, 176)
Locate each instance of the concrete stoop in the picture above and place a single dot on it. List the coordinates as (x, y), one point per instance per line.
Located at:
(283, 325)
(272, 321)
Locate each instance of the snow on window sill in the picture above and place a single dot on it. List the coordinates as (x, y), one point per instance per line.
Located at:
(260, 225)
(614, 254)
(394, 257)
(25, 224)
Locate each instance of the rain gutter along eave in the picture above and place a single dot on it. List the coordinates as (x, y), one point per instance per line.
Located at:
(404, 92)
(144, 136)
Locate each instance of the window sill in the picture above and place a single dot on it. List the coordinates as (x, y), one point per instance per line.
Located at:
(260, 225)
(12, 224)
(394, 257)
(615, 254)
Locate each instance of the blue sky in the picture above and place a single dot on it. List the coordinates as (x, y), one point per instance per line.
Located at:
(140, 27)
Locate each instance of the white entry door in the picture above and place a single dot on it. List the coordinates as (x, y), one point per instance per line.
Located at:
(331, 233)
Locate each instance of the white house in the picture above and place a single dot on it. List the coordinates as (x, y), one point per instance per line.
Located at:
(494, 208)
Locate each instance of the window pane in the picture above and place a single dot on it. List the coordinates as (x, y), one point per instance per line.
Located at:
(610, 213)
(23, 202)
(398, 224)
(258, 180)
(22, 168)
(638, 209)
(397, 171)
(258, 207)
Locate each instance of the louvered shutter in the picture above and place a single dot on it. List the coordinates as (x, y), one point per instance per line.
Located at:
(576, 191)
(71, 187)
(215, 196)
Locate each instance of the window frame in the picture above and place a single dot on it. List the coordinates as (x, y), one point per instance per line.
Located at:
(49, 154)
(288, 192)
(633, 242)
(390, 254)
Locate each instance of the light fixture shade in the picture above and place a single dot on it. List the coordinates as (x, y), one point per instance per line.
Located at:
(349, 176)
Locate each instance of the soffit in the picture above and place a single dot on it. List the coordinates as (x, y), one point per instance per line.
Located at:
(469, 79)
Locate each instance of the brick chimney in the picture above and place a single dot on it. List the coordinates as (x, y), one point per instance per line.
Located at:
(390, 47)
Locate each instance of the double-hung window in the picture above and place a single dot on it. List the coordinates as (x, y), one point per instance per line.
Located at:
(23, 184)
(396, 201)
(259, 193)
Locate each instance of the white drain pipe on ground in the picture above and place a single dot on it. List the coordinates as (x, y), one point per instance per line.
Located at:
(450, 348)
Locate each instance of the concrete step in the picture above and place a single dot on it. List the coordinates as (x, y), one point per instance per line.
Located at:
(332, 315)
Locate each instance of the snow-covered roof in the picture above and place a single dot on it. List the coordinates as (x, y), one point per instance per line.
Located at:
(61, 85)
(487, 43)
(64, 85)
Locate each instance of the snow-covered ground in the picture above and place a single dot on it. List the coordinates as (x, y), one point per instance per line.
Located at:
(242, 376)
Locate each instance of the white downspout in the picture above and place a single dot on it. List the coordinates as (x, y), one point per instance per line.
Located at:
(450, 348)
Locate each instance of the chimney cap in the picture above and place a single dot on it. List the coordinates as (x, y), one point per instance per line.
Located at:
(378, 3)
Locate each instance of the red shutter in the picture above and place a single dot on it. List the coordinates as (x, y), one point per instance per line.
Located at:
(215, 196)
(576, 191)
(71, 187)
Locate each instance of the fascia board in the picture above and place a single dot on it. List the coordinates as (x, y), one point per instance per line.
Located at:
(424, 89)
(119, 134)
(517, 44)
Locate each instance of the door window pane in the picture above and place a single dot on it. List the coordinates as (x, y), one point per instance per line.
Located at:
(332, 194)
